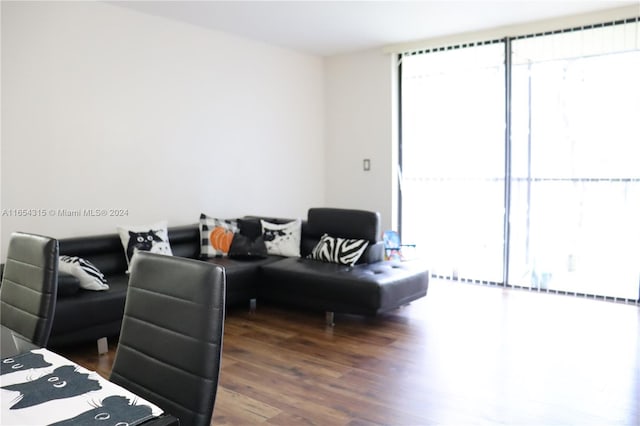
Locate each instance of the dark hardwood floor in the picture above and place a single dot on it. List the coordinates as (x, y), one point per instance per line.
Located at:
(465, 354)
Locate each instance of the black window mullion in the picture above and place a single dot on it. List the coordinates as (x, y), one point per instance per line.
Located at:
(399, 171)
(507, 161)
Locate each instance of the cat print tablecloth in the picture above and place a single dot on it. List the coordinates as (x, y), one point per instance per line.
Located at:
(43, 388)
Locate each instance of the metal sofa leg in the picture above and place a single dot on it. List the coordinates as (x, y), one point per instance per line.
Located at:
(329, 317)
(252, 305)
(103, 346)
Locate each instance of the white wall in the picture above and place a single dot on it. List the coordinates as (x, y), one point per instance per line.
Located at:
(360, 95)
(105, 108)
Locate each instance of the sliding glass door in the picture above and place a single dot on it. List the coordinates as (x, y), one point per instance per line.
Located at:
(575, 200)
(553, 202)
(453, 159)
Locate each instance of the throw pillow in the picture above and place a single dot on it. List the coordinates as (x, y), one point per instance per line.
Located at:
(216, 236)
(89, 276)
(248, 242)
(243, 247)
(282, 239)
(153, 238)
(250, 227)
(344, 251)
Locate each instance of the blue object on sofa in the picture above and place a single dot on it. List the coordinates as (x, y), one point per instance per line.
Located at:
(393, 246)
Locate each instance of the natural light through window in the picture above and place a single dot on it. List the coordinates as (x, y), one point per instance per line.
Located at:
(453, 158)
(575, 200)
(565, 170)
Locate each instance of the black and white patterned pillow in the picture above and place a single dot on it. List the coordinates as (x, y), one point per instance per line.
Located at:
(216, 236)
(89, 276)
(282, 239)
(344, 251)
(153, 238)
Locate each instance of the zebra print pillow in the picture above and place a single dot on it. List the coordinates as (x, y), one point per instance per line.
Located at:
(344, 251)
(89, 276)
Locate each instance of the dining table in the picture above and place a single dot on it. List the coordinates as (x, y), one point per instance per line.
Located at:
(41, 387)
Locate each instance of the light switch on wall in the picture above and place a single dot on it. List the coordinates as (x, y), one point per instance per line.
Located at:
(366, 164)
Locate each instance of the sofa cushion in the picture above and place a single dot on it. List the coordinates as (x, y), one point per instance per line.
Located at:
(185, 241)
(346, 223)
(345, 251)
(362, 289)
(104, 251)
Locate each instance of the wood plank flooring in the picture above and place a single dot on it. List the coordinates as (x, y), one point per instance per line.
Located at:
(465, 354)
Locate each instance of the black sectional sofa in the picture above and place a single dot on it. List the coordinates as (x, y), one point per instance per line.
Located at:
(370, 287)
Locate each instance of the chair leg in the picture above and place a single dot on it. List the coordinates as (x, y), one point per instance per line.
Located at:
(252, 305)
(329, 317)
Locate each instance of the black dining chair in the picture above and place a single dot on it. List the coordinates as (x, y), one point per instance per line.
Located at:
(29, 287)
(170, 344)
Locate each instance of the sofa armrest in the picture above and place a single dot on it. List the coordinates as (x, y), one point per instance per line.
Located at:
(68, 285)
(373, 254)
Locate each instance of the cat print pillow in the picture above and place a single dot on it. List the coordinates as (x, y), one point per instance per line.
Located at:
(282, 239)
(153, 238)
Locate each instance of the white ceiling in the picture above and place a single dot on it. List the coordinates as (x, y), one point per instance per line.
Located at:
(328, 28)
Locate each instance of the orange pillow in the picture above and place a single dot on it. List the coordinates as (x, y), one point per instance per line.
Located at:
(216, 236)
